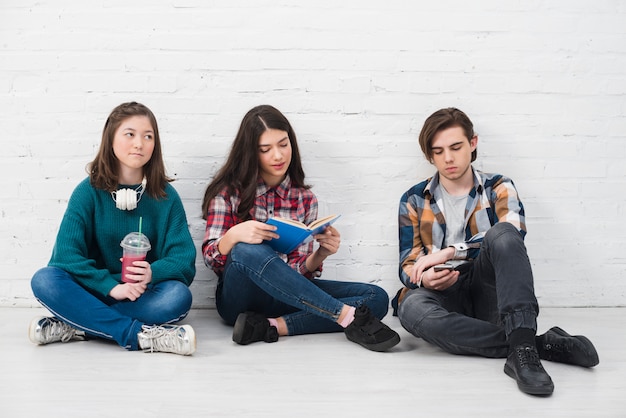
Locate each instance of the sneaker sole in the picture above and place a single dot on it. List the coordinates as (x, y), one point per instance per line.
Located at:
(591, 359)
(32, 330)
(379, 347)
(192, 337)
(531, 390)
(239, 327)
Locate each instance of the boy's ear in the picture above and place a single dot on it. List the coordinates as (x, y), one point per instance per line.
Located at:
(474, 142)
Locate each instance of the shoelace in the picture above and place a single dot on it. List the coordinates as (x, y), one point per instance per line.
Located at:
(54, 329)
(554, 348)
(557, 352)
(528, 356)
(164, 339)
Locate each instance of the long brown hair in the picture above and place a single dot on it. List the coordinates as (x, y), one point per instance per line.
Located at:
(104, 169)
(241, 170)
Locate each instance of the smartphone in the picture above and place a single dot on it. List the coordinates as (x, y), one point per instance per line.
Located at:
(461, 266)
(444, 266)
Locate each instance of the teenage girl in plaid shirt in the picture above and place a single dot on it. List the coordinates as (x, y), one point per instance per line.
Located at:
(262, 293)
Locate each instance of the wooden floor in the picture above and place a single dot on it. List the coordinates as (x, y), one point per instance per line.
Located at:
(305, 376)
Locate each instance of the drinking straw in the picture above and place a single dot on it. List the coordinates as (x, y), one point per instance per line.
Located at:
(140, 220)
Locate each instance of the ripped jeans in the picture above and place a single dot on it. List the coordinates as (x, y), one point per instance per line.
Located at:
(256, 279)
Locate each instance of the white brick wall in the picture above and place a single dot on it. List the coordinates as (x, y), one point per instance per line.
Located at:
(543, 81)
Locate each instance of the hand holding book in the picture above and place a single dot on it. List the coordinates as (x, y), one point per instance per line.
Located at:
(294, 233)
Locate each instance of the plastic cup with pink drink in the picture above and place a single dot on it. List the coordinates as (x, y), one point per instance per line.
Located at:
(135, 248)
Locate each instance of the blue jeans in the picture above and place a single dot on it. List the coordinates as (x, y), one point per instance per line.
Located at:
(165, 302)
(256, 279)
(476, 315)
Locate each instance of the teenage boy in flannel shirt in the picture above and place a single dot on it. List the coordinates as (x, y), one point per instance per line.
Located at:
(483, 303)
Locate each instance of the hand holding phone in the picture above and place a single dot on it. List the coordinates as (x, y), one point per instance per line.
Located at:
(461, 266)
(444, 266)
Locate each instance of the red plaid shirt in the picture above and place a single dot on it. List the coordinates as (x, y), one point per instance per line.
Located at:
(283, 201)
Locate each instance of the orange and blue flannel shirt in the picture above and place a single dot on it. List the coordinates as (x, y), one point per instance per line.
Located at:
(422, 224)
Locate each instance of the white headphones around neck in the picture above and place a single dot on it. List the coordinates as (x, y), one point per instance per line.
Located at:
(127, 199)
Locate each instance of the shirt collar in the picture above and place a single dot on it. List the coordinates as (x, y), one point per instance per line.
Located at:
(282, 190)
(433, 183)
(478, 181)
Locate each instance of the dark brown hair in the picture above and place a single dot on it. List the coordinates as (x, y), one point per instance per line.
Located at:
(443, 119)
(104, 169)
(241, 170)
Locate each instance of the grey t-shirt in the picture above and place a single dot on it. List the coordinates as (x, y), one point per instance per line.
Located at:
(454, 212)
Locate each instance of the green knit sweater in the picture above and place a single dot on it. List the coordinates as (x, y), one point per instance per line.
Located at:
(88, 243)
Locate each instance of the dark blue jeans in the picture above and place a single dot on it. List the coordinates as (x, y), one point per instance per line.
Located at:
(475, 315)
(256, 279)
(165, 302)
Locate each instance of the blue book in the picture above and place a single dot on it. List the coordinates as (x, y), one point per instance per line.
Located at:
(294, 233)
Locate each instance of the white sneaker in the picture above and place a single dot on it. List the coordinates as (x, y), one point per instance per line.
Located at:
(46, 330)
(167, 338)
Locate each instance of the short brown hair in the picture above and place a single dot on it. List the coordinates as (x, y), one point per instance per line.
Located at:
(443, 119)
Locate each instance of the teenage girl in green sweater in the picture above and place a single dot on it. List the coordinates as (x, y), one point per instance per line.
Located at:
(82, 285)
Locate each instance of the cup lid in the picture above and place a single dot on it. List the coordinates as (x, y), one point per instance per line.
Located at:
(136, 240)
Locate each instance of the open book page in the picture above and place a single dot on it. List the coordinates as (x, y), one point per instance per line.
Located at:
(293, 222)
(293, 233)
(325, 221)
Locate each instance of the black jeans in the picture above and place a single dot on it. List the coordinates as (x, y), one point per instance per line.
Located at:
(476, 314)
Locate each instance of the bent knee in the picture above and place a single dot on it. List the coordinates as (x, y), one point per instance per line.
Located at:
(502, 229)
(180, 295)
(173, 305)
(502, 237)
(240, 248)
(43, 280)
(243, 251)
(378, 302)
(415, 307)
(39, 280)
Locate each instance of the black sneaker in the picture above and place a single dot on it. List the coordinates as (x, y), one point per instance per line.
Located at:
(370, 332)
(251, 327)
(558, 345)
(524, 366)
